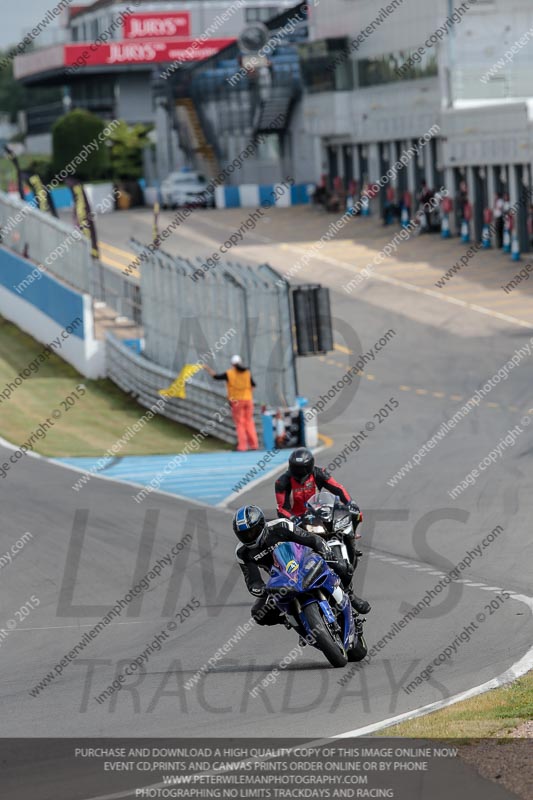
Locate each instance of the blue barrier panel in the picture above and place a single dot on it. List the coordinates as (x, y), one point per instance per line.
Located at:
(266, 194)
(232, 197)
(62, 197)
(57, 301)
(299, 194)
(133, 344)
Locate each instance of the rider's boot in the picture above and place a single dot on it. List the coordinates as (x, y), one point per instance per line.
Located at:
(358, 604)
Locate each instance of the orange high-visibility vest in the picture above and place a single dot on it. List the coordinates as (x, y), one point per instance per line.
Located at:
(239, 384)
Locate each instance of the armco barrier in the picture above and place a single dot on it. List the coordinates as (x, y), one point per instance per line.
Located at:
(50, 312)
(142, 379)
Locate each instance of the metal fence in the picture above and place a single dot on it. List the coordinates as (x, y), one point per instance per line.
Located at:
(205, 407)
(230, 308)
(60, 250)
(188, 313)
(47, 241)
(119, 292)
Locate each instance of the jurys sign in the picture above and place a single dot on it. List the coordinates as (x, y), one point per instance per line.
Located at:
(156, 25)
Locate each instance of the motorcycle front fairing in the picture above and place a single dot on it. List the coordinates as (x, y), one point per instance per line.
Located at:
(300, 573)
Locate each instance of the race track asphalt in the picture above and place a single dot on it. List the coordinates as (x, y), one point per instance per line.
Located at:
(87, 546)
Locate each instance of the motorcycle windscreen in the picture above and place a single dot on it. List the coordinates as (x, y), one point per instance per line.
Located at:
(322, 504)
(288, 557)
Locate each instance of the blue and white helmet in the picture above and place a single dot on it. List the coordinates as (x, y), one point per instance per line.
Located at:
(248, 525)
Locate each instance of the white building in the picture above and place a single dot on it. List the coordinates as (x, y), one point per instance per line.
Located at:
(378, 77)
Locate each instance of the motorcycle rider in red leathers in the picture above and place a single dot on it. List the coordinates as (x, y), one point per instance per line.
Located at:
(298, 484)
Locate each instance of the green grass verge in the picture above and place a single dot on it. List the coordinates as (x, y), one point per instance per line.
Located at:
(492, 714)
(89, 427)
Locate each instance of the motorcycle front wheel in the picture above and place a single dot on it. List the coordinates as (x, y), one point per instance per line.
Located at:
(326, 640)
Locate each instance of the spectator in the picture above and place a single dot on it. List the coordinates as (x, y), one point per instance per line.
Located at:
(321, 192)
(460, 202)
(530, 225)
(406, 203)
(240, 395)
(497, 211)
(389, 206)
(424, 198)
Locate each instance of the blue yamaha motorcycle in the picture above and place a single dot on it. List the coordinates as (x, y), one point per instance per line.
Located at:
(310, 596)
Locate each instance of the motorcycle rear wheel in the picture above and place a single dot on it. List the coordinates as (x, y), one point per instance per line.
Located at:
(334, 651)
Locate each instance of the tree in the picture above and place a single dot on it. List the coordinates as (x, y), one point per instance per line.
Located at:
(15, 97)
(77, 138)
(127, 145)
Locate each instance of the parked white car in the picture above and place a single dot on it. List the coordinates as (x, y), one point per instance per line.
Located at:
(186, 189)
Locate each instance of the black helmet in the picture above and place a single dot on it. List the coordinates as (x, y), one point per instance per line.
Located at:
(248, 524)
(301, 464)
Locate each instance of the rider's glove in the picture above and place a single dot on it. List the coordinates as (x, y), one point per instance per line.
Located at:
(354, 509)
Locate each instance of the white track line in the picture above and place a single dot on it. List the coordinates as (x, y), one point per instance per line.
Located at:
(11, 446)
(222, 506)
(252, 484)
(84, 625)
(519, 668)
(411, 287)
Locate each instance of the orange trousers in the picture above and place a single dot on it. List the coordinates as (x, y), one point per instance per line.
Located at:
(243, 417)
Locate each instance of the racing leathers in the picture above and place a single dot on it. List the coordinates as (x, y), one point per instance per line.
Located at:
(292, 496)
(259, 556)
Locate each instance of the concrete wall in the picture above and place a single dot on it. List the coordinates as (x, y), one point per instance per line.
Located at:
(302, 150)
(406, 26)
(487, 135)
(39, 144)
(50, 311)
(134, 100)
(376, 113)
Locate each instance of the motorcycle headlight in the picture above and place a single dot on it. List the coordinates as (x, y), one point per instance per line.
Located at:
(341, 523)
(313, 573)
(315, 528)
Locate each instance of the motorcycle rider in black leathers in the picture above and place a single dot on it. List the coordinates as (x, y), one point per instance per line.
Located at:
(257, 540)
